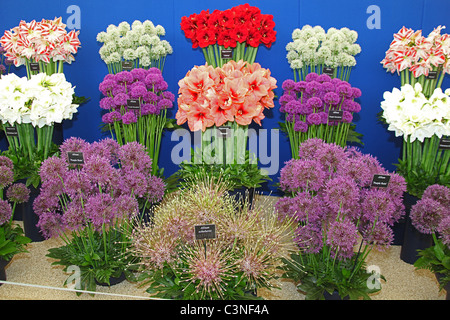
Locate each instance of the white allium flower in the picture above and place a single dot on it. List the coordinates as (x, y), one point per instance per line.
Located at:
(167, 46)
(145, 61)
(142, 52)
(124, 27)
(160, 30)
(296, 64)
(115, 57)
(296, 34)
(101, 36)
(129, 54)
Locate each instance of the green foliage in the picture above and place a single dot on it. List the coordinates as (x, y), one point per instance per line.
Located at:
(12, 241)
(317, 277)
(100, 256)
(436, 259)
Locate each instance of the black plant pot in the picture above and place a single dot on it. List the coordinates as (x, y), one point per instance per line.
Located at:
(30, 218)
(3, 264)
(399, 227)
(413, 240)
(446, 287)
(112, 281)
(243, 195)
(334, 296)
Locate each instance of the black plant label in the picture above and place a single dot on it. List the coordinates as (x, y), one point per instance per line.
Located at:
(335, 115)
(444, 143)
(205, 231)
(75, 157)
(432, 75)
(127, 65)
(226, 54)
(133, 104)
(224, 131)
(34, 66)
(329, 71)
(381, 180)
(11, 132)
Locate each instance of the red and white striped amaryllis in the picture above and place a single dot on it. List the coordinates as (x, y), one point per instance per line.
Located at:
(412, 51)
(40, 41)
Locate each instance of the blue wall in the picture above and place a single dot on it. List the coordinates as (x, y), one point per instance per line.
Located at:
(88, 70)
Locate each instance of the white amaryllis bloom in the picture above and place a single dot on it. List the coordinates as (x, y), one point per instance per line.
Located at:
(42, 100)
(410, 114)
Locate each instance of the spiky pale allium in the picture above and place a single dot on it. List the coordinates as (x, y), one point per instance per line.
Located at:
(210, 269)
(237, 226)
(154, 247)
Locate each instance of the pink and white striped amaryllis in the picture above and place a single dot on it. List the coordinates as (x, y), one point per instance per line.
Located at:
(412, 51)
(40, 41)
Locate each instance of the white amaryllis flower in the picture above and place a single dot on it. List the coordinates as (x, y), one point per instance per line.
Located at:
(410, 114)
(42, 100)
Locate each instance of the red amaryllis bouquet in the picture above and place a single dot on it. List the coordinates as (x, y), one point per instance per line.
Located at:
(238, 92)
(46, 43)
(242, 28)
(417, 58)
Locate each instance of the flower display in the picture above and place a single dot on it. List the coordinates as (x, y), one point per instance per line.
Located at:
(308, 106)
(242, 257)
(12, 239)
(139, 43)
(46, 42)
(242, 29)
(417, 58)
(431, 215)
(314, 50)
(136, 104)
(90, 199)
(4, 62)
(330, 193)
(238, 92)
(422, 122)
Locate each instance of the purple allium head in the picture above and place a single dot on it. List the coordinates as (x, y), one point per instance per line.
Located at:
(379, 234)
(306, 208)
(311, 77)
(327, 87)
(313, 119)
(309, 238)
(168, 95)
(285, 98)
(377, 205)
(106, 148)
(74, 218)
(72, 144)
(129, 117)
(439, 193)
(138, 74)
(50, 224)
(301, 175)
(444, 230)
(314, 102)
(107, 103)
(6, 176)
(5, 211)
(347, 117)
(46, 202)
(344, 90)
(323, 78)
(165, 104)
(308, 148)
(124, 78)
(127, 206)
(426, 215)
(356, 93)
(5, 161)
(77, 183)
(288, 85)
(106, 87)
(342, 236)
(331, 156)
(341, 195)
(312, 88)
(133, 182)
(53, 168)
(100, 171)
(283, 207)
(100, 210)
(118, 89)
(300, 126)
(332, 98)
(121, 99)
(300, 86)
(18, 193)
(133, 155)
(138, 91)
(155, 189)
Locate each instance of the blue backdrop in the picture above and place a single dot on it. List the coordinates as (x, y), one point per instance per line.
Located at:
(374, 38)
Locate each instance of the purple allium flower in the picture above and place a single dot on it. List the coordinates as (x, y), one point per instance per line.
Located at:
(50, 224)
(107, 118)
(72, 144)
(138, 91)
(46, 202)
(300, 86)
(124, 77)
(342, 236)
(314, 102)
(439, 193)
(426, 215)
(168, 95)
(312, 88)
(309, 238)
(285, 98)
(306, 208)
(155, 189)
(161, 85)
(288, 85)
(106, 86)
(73, 218)
(127, 206)
(99, 170)
(344, 90)
(327, 87)
(298, 175)
(53, 168)
(134, 156)
(77, 183)
(5, 211)
(165, 104)
(115, 116)
(6, 176)
(341, 194)
(138, 74)
(331, 98)
(283, 207)
(300, 126)
(129, 117)
(377, 205)
(347, 117)
(311, 77)
(323, 78)
(5, 161)
(331, 156)
(152, 79)
(18, 193)
(351, 106)
(313, 119)
(356, 93)
(100, 209)
(118, 89)
(133, 182)
(308, 148)
(121, 99)
(106, 148)
(292, 107)
(379, 234)
(107, 103)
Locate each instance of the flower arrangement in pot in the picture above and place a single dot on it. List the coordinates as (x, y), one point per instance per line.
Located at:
(89, 195)
(232, 34)
(313, 50)
(202, 245)
(136, 46)
(431, 215)
(344, 204)
(319, 107)
(220, 104)
(12, 239)
(136, 104)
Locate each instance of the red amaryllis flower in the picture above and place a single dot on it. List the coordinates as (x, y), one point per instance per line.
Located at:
(199, 117)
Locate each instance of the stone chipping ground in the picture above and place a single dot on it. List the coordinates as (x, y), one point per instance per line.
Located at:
(35, 277)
